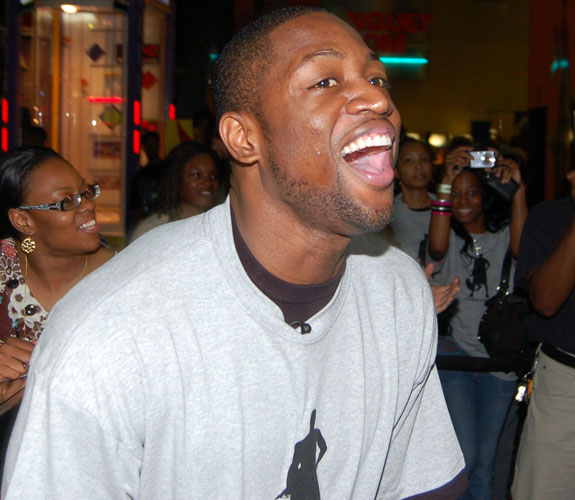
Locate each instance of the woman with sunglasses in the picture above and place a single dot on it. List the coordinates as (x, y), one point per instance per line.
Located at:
(52, 240)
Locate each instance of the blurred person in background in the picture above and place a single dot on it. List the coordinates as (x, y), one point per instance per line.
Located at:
(414, 172)
(34, 135)
(146, 182)
(412, 205)
(190, 186)
(545, 466)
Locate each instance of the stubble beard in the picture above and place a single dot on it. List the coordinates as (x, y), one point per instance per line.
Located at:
(319, 205)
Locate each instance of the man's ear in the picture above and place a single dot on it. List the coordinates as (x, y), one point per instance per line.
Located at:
(241, 135)
(21, 221)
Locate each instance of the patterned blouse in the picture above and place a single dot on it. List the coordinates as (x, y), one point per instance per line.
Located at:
(21, 315)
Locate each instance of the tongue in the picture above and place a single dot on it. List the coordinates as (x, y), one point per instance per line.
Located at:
(369, 159)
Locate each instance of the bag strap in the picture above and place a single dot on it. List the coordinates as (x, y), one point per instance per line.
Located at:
(505, 271)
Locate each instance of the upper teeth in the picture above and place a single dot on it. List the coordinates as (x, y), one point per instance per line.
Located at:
(366, 141)
(88, 224)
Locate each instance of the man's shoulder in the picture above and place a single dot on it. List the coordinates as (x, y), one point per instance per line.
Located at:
(126, 298)
(552, 209)
(387, 270)
(375, 250)
(547, 221)
(162, 247)
(156, 265)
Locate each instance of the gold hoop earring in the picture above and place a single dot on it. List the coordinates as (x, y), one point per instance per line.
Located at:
(28, 245)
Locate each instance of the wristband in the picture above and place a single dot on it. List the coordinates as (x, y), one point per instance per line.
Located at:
(441, 209)
(441, 203)
(444, 188)
(435, 212)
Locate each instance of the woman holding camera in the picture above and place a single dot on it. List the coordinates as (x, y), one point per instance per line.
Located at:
(469, 236)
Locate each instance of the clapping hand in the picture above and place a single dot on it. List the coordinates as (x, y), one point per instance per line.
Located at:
(443, 295)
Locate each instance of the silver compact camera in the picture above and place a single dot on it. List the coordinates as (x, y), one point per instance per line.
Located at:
(483, 159)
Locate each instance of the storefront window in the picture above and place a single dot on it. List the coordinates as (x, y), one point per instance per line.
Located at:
(74, 64)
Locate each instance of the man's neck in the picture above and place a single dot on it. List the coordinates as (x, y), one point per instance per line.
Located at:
(287, 249)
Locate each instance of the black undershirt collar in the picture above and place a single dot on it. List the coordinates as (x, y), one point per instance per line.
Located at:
(297, 302)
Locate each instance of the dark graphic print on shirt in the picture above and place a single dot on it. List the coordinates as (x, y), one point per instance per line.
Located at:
(478, 278)
(302, 483)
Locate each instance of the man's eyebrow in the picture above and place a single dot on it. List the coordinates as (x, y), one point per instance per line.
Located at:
(320, 53)
(371, 56)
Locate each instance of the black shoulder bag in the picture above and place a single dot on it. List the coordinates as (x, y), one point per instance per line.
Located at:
(503, 327)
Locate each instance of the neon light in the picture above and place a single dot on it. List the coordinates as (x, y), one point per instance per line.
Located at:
(4, 110)
(4, 139)
(137, 142)
(137, 113)
(104, 99)
(559, 64)
(172, 112)
(404, 60)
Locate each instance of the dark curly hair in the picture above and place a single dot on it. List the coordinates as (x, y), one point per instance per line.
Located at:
(15, 170)
(170, 196)
(496, 212)
(240, 70)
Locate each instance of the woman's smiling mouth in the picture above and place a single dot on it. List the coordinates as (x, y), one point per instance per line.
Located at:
(90, 226)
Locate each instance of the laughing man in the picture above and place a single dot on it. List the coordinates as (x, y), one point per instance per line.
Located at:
(245, 353)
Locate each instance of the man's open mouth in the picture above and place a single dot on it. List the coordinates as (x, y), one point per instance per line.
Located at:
(369, 155)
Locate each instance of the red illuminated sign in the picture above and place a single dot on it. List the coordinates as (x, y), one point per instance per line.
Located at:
(387, 32)
(105, 99)
(4, 139)
(136, 142)
(4, 111)
(137, 112)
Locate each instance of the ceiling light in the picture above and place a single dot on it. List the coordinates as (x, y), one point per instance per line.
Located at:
(68, 8)
(437, 140)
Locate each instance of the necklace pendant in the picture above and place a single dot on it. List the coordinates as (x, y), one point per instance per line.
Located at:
(477, 248)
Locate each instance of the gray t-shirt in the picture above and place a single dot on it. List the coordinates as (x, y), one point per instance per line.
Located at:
(167, 374)
(410, 227)
(479, 280)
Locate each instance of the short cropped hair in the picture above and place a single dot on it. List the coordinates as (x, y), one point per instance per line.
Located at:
(240, 70)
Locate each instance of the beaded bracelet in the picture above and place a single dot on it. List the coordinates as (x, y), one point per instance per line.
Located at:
(444, 188)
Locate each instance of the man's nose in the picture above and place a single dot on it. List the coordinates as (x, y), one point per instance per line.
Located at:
(366, 97)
